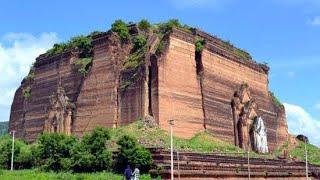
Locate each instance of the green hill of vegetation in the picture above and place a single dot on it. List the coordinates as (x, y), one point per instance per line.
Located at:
(298, 152)
(203, 142)
(4, 128)
(155, 137)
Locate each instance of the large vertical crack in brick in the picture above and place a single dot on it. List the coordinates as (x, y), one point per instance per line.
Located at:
(199, 69)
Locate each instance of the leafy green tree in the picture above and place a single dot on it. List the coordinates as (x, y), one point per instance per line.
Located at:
(133, 155)
(144, 25)
(121, 28)
(173, 23)
(83, 160)
(199, 45)
(93, 33)
(90, 154)
(22, 154)
(160, 47)
(52, 150)
(139, 42)
(84, 44)
(24, 158)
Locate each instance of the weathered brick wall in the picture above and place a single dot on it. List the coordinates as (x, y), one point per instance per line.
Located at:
(222, 77)
(132, 106)
(97, 104)
(28, 114)
(223, 74)
(179, 90)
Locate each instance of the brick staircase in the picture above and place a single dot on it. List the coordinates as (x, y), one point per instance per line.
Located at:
(211, 166)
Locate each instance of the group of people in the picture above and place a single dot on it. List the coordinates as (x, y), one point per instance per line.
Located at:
(129, 175)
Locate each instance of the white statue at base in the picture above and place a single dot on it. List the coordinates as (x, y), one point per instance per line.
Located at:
(259, 136)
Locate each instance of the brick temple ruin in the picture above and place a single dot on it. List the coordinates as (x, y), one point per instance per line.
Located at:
(217, 90)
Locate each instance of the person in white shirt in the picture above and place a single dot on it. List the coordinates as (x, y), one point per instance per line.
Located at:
(136, 174)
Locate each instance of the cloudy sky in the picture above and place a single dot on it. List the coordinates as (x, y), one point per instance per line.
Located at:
(283, 33)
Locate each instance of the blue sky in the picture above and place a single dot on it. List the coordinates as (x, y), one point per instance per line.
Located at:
(283, 33)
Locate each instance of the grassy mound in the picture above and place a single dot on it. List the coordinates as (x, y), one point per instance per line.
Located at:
(298, 151)
(203, 142)
(155, 137)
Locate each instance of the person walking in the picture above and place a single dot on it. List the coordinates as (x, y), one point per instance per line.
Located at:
(136, 174)
(128, 173)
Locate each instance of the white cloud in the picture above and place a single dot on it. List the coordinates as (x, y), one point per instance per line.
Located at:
(301, 122)
(317, 106)
(198, 3)
(17, 52)
(315, 21)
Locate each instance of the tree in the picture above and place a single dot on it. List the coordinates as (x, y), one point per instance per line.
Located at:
(90, 154)
(139, 42)
(133, 155)
(121, 28)
(22, 154)
(144, 25)
(53, 149)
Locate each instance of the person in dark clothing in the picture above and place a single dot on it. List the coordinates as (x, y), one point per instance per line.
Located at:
(128, 173)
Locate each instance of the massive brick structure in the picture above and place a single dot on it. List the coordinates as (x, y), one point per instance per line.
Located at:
(209, 90)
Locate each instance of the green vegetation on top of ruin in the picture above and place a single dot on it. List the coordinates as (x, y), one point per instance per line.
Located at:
(84, 65)
(199, 45)
(163, 30)
(275, 100)
(84, 43)
(135, 59)
(121, 28)
(134, 64)
(144, 25)
(241, 53)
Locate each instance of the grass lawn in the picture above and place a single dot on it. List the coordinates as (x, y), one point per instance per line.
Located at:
(40, 175)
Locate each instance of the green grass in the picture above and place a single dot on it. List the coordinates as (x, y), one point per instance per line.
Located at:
(298, 152)
(40, 175)
(203, 142)
(313, 153)
(155, 137)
